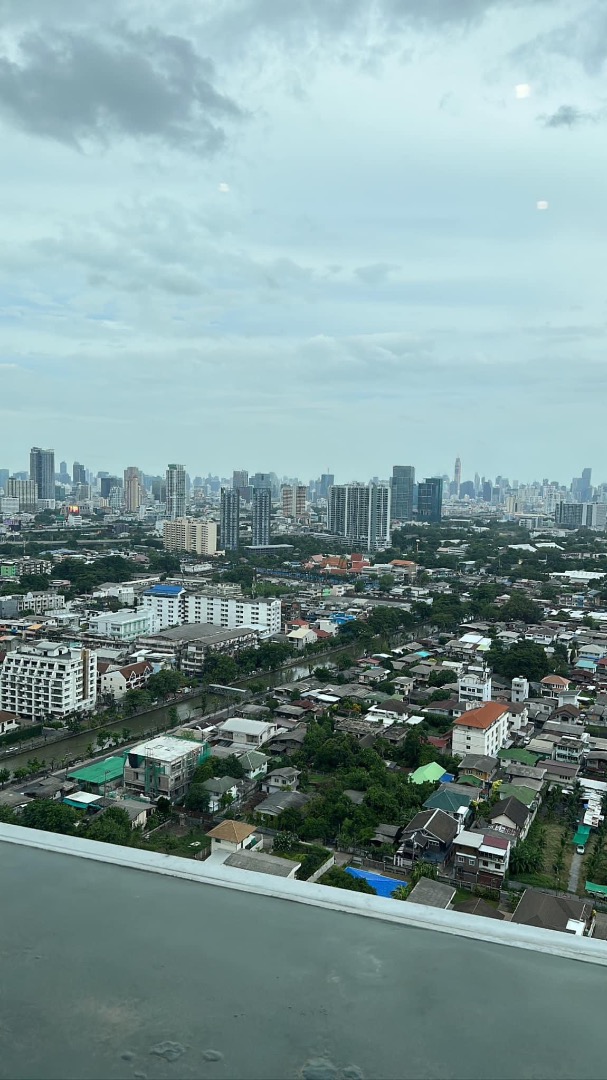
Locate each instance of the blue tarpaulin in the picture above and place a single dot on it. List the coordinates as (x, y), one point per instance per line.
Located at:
(384, 886)
(448, 778)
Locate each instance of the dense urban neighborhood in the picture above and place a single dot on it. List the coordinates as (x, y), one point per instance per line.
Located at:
(423, 718)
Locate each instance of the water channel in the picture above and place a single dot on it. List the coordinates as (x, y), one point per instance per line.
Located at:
(56, 753)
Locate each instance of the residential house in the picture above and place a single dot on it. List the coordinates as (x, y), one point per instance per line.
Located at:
(116, 680)
(388, 712)
(562, 773)
(511, 817)
(554, 685)
(302, 637)
(287, 742)
(280, 801)
(476, 906)
(427, 774)
(286, 779)
(452, 799)
(254, 763)
(481, 731)
(427, 838)
(248, 734)
(478, 765)
(431, 894)
(373, 675)
(163, 766)
(386, 835)
(549, 912)
(290, 712)
(222, 791)
(259, 862)
(9, 722)
(234, 836)
(481, 858)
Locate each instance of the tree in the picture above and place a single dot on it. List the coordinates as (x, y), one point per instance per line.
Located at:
(285, 842)
(420, 870)
(410, 753)
(401, 892)
(340, 879)
(112, 826)
(386, 583)
(50, 816)
(163, 807)
(441, 678)
(519, 608)
(197, 799)
(5, 775)
(524, 658)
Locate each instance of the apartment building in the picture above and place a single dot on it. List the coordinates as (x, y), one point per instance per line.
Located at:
(163, 766)
(475, 684)
(40, 602)
(122, 625)
(48, 680)
(233, 612)
(171, 605)
(481, 731)
(188, 534)
(294, 500)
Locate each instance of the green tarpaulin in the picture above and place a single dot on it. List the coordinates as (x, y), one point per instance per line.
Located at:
(581, 836)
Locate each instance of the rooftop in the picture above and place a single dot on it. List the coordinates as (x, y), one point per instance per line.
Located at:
(262, 863)
(341, 961)
(234, 831)
(432, 893)
(482, 717)
(165, 748)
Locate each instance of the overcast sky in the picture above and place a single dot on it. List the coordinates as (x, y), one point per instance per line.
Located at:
(290, 235)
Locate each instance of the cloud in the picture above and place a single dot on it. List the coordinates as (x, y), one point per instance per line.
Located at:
(77, 88)
(375, 273)
(567, 116)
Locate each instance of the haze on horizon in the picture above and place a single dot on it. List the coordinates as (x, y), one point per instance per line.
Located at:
(291, 235)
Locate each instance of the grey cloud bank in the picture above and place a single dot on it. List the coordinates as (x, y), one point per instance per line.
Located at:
(295, 234)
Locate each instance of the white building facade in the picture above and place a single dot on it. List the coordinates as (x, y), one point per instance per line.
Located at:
(481, 731)
(475, 685)
(122, 625)
(48, 680)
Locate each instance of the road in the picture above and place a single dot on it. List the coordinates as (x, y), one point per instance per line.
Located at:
(574, 873)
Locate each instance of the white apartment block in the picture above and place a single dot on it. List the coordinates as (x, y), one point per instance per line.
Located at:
(481, 731)
(170, 605)
(188, 534)
(40, 602)
(122, 625)
(48, 680)
(475, 685)
(233, 612)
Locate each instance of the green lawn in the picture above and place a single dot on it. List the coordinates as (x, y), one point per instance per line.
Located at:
(170, 844)
(545, 878)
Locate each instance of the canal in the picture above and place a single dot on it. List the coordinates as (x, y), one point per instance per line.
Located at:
(56, 753)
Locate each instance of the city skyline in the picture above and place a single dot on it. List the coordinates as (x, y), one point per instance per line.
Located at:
(260, 220)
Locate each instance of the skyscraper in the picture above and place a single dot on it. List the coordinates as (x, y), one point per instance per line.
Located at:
(175, 497)
(107, 484)
(4, 475)
(78, 473)
(240, 480)
(327, 480)
(403, 483)
(360, 512)
(132, 489)
(42, 472)
(457, 475)
(294, 500)
(262, 510)
(430, 499)
(229, 520)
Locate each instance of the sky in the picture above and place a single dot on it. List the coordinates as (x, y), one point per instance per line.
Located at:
(292, 236)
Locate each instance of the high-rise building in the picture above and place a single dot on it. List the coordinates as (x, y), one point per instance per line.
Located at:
(403, 484)
(430, 499)
(78, 473)
(175, 487)
(229, 520)
(261, 480)
(48, 679)
(132, 489)
(457, 475)
(326, 481)
(261, 513)
(294, 501)
(240, 481)
(581, 515)
(107, 483)
(188, 534)
(361, 513)
(26, 492)
(42, 472)
(4, 475)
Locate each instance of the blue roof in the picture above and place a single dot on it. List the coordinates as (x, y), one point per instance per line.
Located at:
(164, 590)
(384, 886)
